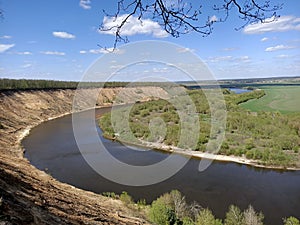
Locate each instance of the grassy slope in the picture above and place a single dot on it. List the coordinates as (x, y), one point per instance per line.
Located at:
(284, 99)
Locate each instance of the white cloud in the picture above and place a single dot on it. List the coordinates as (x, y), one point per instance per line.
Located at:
(229, 49)
(281, 24)
(85, 4)
(63, 34)
(97, 51)
(278, 47)
(104, 51)
(183, 50)
(24, 53)
(243, 58)
(26, 65)
(53, 53)
(4, 47)
(101, 51)
(229, 58)
(6, 37)
(264, 39)
(220, 58)
(213, 19)
(133, 26)
(283, 56)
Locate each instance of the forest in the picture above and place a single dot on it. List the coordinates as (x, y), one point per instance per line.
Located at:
(30, 84)
(267, 138)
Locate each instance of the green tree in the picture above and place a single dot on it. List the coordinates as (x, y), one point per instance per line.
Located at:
(179, 204)
(206, 217)
(160, 210)
(234, 216)
(253, 218)
(187, 221)
(291, 221)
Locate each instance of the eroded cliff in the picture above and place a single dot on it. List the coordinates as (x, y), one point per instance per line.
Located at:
(31, 196)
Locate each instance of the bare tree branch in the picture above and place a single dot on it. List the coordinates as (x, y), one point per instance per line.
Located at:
(178, 17)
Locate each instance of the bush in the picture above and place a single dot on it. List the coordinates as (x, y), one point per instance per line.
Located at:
(249, 154)
(160, 210)
(249, 144)
(291, 221)
(225, 145)
(141, 202)
(126, 198)
(206, 217)
(110, 194)
(145, 113)
(239, 152)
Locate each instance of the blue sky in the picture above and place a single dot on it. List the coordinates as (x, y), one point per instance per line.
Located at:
(59, 39)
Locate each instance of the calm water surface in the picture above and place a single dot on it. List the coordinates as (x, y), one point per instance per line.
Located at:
(51, 146)
(239, 90)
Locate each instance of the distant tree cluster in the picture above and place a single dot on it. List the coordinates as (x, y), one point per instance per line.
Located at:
(23, 84)
(30, 84)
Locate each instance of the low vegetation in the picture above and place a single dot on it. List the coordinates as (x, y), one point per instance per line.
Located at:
(284, 99)
(269, 138)
(172, 209)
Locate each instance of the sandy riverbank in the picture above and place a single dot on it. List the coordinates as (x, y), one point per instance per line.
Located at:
(205, 155)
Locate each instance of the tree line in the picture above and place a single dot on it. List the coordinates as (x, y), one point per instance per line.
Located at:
(34, 84)
(172, 209)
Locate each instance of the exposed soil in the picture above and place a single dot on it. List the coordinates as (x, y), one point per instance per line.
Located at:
(31, 196)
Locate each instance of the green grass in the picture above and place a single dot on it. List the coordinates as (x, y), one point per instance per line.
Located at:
(284, 99)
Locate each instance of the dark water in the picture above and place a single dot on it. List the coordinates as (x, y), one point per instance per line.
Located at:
(51, 146)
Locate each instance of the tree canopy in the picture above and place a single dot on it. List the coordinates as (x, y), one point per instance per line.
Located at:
(179, 17)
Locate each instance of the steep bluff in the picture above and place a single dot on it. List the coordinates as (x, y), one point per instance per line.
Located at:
(31, 196)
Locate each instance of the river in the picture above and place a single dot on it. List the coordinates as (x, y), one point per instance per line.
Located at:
(51, 147)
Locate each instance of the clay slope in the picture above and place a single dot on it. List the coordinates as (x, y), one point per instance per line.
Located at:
(30, 196)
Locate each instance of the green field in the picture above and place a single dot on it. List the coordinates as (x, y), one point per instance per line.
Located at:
(285, 99)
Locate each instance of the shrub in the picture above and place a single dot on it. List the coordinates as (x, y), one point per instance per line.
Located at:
(141, 202)
(249, 144)
(126, 198)
(291, 221)
(206, 217)
(110, 194)
(225, 145)
(160, 210)
(249, 154)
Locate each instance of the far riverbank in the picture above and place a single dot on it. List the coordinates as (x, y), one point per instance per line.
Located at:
(202, 155)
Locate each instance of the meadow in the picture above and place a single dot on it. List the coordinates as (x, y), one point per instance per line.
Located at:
(284, 99)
